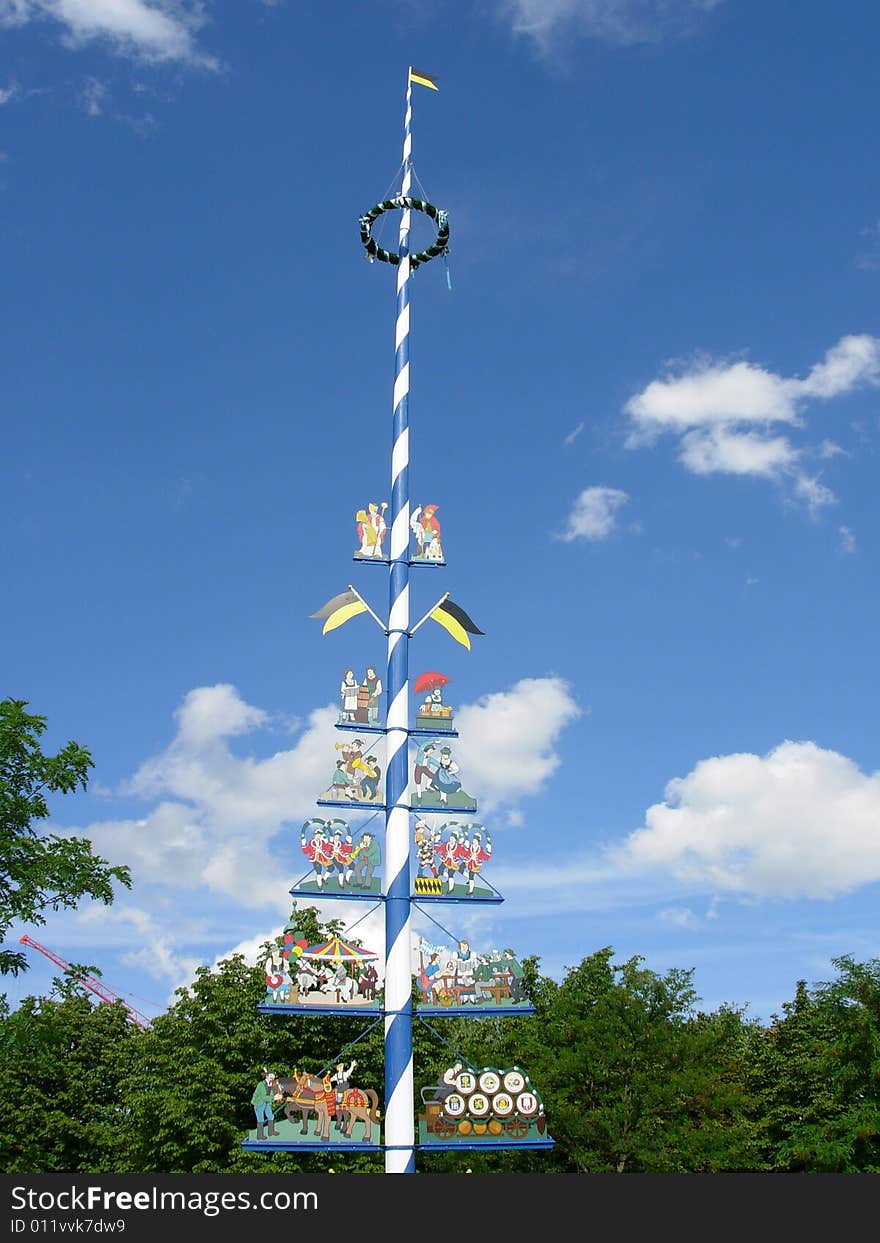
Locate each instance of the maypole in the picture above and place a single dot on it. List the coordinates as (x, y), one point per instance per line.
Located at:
(400, 1154)
(468, 1106)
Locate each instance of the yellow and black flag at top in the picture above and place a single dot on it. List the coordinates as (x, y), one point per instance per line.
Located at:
(423, 79)
(453, 618)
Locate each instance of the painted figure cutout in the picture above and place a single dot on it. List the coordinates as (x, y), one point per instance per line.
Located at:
(451, 859)
(499, 1107)
(278, 981)
(435, 778)
(451, 977)
(474, 850)
(333, 1099)
(371, 530)
(366, 860)
(372, 685)
(263, 1102)
(331, 974)
(319, 847)
(427, 839)
(359, 701)
(433, 713)
(348, 692)
(339, 863)
(425, 527)
(356, 776)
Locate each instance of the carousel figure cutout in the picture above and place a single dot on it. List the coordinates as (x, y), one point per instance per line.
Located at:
(314, 1109)
(458, 980)
(434, 716)
(371, 530)
(340, 865)
(355, 778)
(332, 977)
(436, 784)
(360, 701)
(425, 527)
(450, 860)
(488, 1108)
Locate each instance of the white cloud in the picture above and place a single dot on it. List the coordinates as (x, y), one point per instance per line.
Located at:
(855, 360)
(847, 539)
(572, 435)
(156, 952)
(93, 95)
(710, 394)
(212, 713)
(680, 916)
(216, 811)
(801, 821)
(814, 493)
(869, 259)
(725, 413)
(149, 30)
(718, 449)
(507, 740)
(613, 21)
(594, 514)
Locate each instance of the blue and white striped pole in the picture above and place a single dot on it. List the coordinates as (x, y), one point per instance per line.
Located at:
(399, 1098)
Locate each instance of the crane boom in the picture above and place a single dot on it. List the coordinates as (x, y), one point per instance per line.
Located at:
(90, 982)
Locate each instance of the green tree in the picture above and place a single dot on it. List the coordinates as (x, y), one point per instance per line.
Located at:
(818, 1071)
(633, 1078)
(61, 1097)
(191, 1076)
(41, 872)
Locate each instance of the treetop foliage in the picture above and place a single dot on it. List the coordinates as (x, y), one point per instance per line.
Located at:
(39, 872)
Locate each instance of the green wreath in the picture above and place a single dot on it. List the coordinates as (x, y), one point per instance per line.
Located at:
(374, 251)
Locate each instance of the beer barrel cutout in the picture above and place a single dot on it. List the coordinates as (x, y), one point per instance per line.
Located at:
(470, 1107)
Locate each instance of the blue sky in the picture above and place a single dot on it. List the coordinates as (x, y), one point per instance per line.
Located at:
(647, 411)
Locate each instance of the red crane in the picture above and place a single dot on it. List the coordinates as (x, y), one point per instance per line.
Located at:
(90, 982)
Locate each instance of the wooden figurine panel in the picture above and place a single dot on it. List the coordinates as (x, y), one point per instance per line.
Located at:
(356, 776)
(371, 530)
(450, 858)
(436, 782)
(332, 976)
(314, 1108)
(473, 1107)
(338, 973)
(457, 977)
(432, 711)
(342, 861)
(360, 698)
(425, 527)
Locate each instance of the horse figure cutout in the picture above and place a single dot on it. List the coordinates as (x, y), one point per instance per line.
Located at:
(305, 1093)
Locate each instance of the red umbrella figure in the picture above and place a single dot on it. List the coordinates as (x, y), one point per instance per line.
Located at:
(429, 682)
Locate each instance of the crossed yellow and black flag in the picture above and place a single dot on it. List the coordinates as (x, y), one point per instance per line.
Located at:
(453, 618)
(338, 610)
(423, 79)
